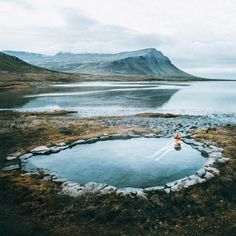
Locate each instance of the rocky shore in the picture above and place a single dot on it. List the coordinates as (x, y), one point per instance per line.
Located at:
(212, 153)
(200, 204)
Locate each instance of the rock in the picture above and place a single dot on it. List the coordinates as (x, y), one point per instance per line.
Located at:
(210, 161)
(11, 167)
(119, 136)
(201, 172)
(177, 186)
(223, 160)
(170, 184)
(212, 170)
(93, 186)
(195, 144)
(70, 184)
(133, 135)
(26, 156)
(155, 188)
(61, 144)
(40, 150)
(55, 149)
(73, 190)
(215, 155)
(77, 143)
(192, 142)
(47, 178)
(13, 156)
(151, 135)
(131, 191)
(105, 137)
(204, 153)
(216, 149)
(92, 140)
(167, 190)
(59, 179)
(58, 148)
(109, 189)
(192, 180)
(208, 175)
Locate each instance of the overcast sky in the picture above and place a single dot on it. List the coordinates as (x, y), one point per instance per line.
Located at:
(199, 36)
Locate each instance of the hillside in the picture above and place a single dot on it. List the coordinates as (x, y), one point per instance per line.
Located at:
(145, 63)
(17, 74)
(11, 64)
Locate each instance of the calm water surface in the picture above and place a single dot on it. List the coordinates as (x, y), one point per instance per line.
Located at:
(140, 162)
(125, 98)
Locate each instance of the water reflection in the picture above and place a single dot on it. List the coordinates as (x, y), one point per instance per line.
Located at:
(141, 162)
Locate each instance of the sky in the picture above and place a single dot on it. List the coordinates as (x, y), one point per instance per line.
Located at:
(198, 36)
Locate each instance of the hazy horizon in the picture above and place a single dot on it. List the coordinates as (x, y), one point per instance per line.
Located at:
(198, 36)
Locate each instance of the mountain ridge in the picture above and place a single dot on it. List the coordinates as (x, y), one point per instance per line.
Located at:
(147, 62)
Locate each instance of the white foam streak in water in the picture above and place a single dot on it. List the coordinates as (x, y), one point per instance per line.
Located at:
(101, 91)
(115, 84)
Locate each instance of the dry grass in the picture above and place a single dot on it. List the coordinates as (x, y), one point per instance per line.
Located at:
(33, 207)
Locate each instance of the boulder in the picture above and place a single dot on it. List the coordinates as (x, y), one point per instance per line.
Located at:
(216, 149)
(170, 184)
(151, 135)
(72, 189)
(13, 156)
(93, 186)
(201, 172)
(132, 191)
(155, 188)
(61, 144)
(58, 148)
(167, 190)
(92, 140)
(58, 179)
(109, 189)
(215, 155)
(77, 143)
(212, 170)
(223, 160)
(133, 135)
(119, 136)
(11, 167)
(25, 156)
(208, 175)
(40, 150)
(104, 137)
(210, 161)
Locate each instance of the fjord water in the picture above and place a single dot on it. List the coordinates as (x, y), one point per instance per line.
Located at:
(139, 162)
(125, 98)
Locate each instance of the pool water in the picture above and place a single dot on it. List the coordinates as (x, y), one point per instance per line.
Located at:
(137, 162)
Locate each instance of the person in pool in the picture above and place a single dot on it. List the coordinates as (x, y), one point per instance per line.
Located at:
(177, 138)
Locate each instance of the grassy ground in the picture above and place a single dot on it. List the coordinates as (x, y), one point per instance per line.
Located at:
(29, 206)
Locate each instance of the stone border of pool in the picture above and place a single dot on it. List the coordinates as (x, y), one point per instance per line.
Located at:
(207, 172)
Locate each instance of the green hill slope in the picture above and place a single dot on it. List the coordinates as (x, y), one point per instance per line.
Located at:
(13, 64)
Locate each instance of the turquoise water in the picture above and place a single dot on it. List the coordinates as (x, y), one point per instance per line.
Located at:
(140, 162)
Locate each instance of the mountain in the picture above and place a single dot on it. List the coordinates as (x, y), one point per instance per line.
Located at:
(17, 74)
(144, 63)
(12, 64)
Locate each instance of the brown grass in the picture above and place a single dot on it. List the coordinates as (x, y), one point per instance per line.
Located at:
(30, 206)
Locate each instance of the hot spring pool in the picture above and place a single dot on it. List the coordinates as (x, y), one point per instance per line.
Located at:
(137, 162)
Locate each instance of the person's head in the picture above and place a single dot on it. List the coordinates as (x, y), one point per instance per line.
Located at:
(177, 147)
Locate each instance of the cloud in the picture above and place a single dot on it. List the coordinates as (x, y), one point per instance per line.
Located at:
(193, 34)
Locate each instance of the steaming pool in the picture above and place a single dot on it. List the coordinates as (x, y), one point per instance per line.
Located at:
(137, 162)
